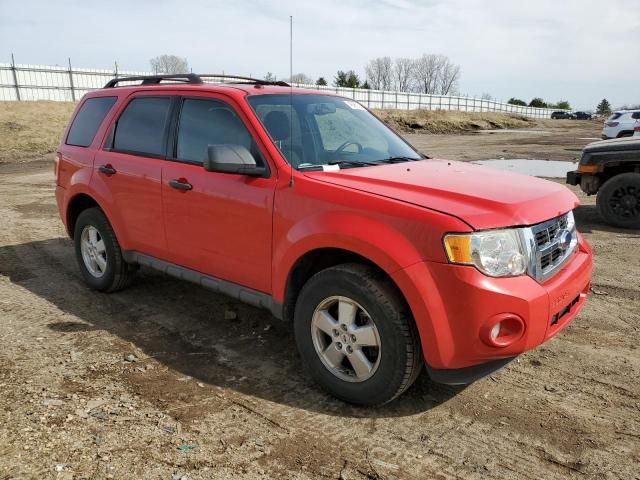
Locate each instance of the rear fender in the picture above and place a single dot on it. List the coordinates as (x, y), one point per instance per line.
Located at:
(103, 199)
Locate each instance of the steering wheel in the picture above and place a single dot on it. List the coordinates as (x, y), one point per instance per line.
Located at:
(341, 148)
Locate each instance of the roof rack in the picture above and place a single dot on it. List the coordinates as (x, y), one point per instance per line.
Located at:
(190, 78)
(250, 80)
(156, 79)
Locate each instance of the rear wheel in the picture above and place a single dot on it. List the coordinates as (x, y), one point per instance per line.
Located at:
(356, 336)
(98, 253)
(618, 200)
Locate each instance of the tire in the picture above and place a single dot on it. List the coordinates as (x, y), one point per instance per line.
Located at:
(381, 313)
(618, 200)
(102, 267)
(625, 133)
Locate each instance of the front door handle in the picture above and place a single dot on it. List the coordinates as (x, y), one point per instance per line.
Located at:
(180, 184)
(107, 169)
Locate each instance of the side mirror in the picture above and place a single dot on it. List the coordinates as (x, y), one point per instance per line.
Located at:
(232, 159)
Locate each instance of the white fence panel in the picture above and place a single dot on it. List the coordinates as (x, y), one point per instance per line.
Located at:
(63, 83)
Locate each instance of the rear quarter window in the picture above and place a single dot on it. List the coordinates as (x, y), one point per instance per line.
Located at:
(88, 120)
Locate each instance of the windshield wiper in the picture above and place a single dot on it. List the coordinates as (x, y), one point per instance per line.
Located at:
(350, 163)
(340, 163)
(398, 160)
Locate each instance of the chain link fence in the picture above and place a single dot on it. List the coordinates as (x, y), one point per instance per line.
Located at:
(23, 82)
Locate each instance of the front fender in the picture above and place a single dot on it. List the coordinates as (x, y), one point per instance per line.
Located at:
(386, 247)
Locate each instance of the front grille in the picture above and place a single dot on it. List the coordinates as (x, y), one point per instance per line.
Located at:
(552, 243)
(547, 234)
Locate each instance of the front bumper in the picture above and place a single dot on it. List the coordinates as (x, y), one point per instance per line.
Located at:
(454, 304)
(573, 178)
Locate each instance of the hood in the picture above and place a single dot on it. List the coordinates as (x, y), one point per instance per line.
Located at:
(615, 144)
(480, 196)
(616, 150)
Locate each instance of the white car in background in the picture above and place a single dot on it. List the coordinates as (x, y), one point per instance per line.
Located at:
(620, 124)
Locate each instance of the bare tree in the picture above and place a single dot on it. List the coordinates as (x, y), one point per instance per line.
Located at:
(301, 78)
(270, 77)
(169, 64)
(403, 73)
(448, 78)
(379, 73)
(426, 71)
(436, 74)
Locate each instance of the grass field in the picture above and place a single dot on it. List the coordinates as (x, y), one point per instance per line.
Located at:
(30, 130)
(449, 122)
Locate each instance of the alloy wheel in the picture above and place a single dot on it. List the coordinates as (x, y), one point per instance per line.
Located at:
(346, 339)
(94, 252)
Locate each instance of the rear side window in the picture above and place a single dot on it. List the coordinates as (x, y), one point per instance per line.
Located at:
(141, 127)
(636, 115)
(88, 120)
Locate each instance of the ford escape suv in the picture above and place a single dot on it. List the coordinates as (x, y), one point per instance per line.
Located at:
(306, 204)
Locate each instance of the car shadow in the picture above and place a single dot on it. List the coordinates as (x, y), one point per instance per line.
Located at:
(588, 220)
(199, 334)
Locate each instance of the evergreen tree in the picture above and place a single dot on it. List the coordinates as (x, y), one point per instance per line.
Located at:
(604, 107)
(538, 102)
(517, 101)
(347, 79)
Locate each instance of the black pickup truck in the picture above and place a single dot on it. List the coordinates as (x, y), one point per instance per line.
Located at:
(611, 169)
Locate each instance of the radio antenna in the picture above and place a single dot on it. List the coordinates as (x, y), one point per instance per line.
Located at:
(290, 100)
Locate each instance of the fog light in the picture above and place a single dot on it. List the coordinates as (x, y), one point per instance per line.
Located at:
(502, 330)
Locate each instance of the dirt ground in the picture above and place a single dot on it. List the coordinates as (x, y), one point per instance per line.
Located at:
(166, 380)
(544, 140)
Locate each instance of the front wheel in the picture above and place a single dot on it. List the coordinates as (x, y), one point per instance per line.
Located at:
(356, 336)
(618, 200)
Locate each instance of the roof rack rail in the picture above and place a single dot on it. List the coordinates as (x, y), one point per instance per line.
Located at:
(257, 81)
(191, 78)
(156, 79)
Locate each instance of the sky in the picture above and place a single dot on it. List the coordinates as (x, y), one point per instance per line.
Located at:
(578, 50)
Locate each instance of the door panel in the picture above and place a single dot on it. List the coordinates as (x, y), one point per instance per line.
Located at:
(135, 199)
(129, 171)
(222, 226)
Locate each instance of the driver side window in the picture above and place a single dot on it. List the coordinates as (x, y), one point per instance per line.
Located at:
(205, 122)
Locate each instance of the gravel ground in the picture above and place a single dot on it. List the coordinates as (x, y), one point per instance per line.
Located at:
(166, 380)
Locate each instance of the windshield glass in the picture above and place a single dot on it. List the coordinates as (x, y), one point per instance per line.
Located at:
(323, 129)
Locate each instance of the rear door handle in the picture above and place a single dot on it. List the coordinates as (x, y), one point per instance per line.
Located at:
(107, 169)
(180, 184)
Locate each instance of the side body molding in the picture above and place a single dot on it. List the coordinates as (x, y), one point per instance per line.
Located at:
(218, 285)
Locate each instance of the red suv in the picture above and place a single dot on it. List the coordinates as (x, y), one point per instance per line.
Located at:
(306, 204)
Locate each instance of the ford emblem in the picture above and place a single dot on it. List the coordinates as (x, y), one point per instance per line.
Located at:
(564, 240)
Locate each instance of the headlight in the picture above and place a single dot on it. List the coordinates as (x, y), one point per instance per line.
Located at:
(497, 253)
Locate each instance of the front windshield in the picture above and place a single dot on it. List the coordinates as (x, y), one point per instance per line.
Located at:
(323, 129)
